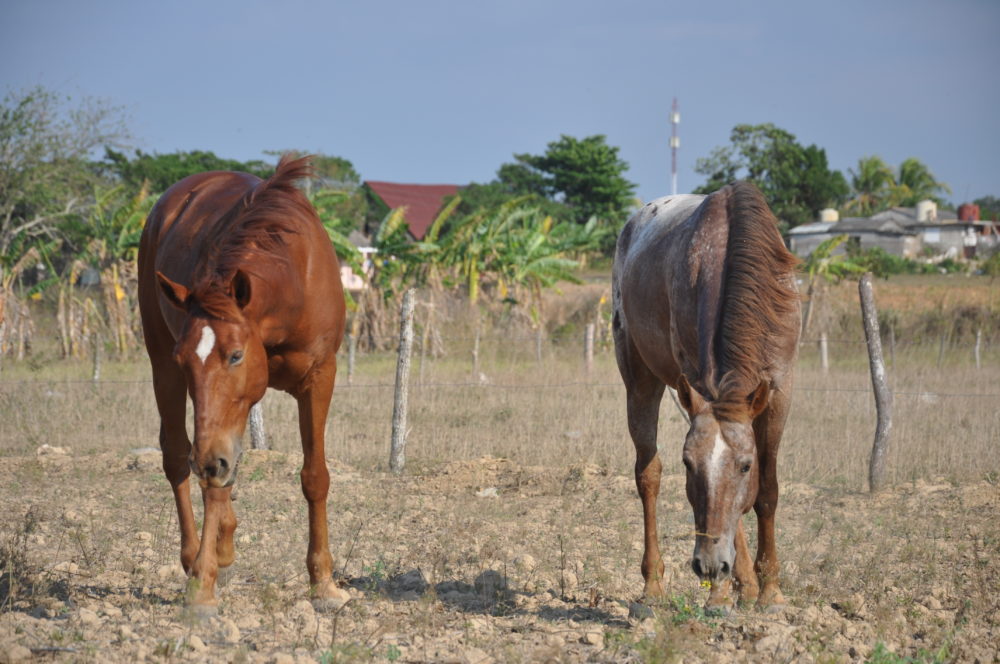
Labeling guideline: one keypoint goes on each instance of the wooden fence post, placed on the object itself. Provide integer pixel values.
(258, 441)
(475, 348)
(397, 453)
(588, 348)
(352, 351)
(880, 385)
(979, 343)
(824, 357)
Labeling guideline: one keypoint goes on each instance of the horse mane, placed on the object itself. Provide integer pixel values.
(756, 300)
(250, 234)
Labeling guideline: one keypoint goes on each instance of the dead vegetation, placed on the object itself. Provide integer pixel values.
(514, 534)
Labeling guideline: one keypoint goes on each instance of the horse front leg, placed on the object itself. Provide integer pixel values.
(768, 428)
(171, 402)
(205, 570)
(314, 403)
(643, 418)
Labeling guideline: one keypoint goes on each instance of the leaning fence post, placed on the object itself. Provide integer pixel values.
(880, 386)
(258, 441)
(397, 455)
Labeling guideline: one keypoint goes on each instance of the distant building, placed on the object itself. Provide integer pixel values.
(902, 231)
(422, 203)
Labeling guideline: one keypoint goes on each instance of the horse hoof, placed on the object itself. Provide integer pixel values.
(721, 610)
(201, 612)
(772, 608)
(330, 598)
(224, 576)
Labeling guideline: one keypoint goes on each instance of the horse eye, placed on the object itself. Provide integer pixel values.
(745, 468)
(235, 358)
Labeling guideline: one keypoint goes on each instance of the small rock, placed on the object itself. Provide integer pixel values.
(196, 643)
(88, 617)
(639, 611)
(767, 645)
(525, 562)
(67, 566)
(283, 658)
(593, 638)
(488, 492)
(14, 652)
(475, 656)
(172, 571)
(50, 450)
(143, 536)
(932, 603)
(230, 632)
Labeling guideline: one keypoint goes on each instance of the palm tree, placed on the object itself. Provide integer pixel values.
(916, 183)
(823, 267)
(873, 185)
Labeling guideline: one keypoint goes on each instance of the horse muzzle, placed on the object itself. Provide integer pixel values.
(215, 470)
(713, 560)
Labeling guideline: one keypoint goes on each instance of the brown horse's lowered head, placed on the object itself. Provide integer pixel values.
(720, 455)
(225, 366)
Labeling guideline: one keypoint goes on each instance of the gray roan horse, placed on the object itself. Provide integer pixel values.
(705, 301)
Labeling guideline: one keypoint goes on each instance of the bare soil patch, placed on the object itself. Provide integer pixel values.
(477, 561)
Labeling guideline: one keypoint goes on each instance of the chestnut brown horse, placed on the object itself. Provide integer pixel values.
(239, 290)
(705, 301)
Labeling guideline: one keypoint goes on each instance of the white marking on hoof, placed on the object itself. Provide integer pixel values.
(206, 344)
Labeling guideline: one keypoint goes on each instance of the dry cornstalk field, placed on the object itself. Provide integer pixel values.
(514, 533)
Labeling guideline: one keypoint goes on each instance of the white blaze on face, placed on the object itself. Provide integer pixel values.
(715, 461)
(206, 344)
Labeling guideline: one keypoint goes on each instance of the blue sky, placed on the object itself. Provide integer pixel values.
(444, 92)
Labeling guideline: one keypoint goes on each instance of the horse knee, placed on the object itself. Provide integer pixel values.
(315, 484)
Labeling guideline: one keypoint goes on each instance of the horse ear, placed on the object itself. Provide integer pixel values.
(757, 401)
(688, 396)
(176, 294)
(240, 289)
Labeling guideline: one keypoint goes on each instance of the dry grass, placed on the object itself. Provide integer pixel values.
(529, 575)
(551, 413)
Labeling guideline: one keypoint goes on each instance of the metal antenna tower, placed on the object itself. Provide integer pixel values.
(675, 142)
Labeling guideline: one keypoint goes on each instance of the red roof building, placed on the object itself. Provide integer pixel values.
(422, 201)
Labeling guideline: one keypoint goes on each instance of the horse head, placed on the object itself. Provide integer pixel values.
(225, 367)
(720, 456)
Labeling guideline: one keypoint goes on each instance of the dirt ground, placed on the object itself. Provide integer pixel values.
(481, 561)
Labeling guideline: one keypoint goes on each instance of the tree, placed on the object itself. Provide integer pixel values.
(915, 183)
(163, 170)
(989, 207)
(46, 147)
(585, 174)
(873, 186)
(796, 181)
